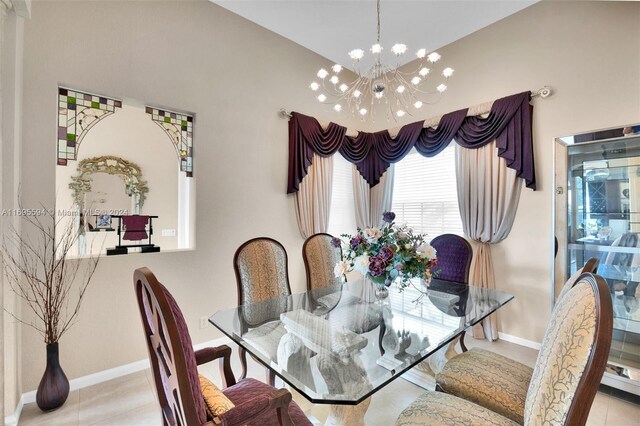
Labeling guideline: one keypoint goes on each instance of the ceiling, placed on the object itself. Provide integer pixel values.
(332, 28)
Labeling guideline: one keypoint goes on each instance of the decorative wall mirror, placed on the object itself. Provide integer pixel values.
(597, 215)
(121, 158)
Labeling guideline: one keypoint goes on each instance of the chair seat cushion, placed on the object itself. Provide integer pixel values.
(488, 379)
(437, 408)
(247, 389)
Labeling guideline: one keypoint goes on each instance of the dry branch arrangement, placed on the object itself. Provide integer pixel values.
(38, 269)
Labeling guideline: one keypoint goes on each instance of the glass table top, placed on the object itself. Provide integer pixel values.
(339, 345)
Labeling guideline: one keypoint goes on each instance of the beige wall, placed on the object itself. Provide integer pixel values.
(235, 76)
(192, 56)
(589, 52)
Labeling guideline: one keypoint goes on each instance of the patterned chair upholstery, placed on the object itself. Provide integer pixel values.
(320, 258)
(591, 266)
(488, 379)
(261, 268)
(175, 369)
(565, 378)
(492, 380)
(454, 257)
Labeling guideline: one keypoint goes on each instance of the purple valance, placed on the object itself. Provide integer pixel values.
(509, 123)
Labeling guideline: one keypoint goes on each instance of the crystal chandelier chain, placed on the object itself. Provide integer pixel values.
(382, 86)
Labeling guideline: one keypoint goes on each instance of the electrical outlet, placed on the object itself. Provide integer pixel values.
(168, 232)
(204, 321)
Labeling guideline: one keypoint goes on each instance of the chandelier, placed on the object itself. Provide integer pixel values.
(389, 87)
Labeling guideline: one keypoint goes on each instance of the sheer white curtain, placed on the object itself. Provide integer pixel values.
(370, 202)
(488, 195)
(313, 199)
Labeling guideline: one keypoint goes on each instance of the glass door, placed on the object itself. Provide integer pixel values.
(597, 214)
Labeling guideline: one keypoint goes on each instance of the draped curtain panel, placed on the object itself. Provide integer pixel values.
(371, 203)
(508, 123)
(313, 199)
(488, 195)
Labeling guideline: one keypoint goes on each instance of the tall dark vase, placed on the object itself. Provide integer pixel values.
(53, 389)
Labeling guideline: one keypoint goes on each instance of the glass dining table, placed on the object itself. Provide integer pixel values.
(340, 344)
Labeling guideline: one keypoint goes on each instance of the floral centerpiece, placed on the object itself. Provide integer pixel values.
(386, 254)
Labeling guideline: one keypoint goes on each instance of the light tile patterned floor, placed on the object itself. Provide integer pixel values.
(131, 400)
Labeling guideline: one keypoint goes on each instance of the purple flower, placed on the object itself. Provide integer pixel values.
(376, 266)
(356, 241)
(386, 253)
(336, 242)
(388, 216)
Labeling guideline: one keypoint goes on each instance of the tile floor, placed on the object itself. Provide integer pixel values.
(131, 400)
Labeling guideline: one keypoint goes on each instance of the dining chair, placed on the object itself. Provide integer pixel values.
(565, 378)
(468, 375)
(320, 257)
(454, 261)
(261, 268)
(185, 397)
(454, 257)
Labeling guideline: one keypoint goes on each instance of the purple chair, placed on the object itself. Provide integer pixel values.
(175, 370)
(454, 261)
(454, 257)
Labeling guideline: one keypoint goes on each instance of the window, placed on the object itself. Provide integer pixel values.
(425, 195)
(342, 217)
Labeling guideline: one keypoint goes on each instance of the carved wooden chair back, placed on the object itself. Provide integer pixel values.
(171, 353)
(573, 355)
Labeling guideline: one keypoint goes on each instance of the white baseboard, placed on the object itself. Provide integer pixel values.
(12, 420)
(520, 341)
(99, 377)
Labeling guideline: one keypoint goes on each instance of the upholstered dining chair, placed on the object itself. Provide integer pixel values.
(261, 267)
(454, 260)
(187, 398)
(565, 378)
(320, 258)
(454, 257)
(468, 375)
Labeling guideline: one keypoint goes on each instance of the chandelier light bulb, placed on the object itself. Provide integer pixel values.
(399, 49)
(379, 82)
(356, 54)
(433, 57)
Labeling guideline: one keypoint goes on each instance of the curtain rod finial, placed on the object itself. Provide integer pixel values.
(545, 92)
(283, 113)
